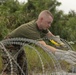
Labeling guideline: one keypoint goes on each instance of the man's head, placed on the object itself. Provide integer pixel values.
(45, 19)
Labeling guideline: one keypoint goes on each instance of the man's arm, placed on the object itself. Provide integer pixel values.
(52, 49)
(68, 56)
(55, 39)
(49, 34)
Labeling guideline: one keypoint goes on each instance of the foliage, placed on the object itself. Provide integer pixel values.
(13, 14)
(3, 28)
(71, 28)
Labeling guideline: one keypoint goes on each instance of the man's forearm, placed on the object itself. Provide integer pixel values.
(49, 34)
(51, 48)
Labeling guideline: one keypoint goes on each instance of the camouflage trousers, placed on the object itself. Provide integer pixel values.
(19, 56)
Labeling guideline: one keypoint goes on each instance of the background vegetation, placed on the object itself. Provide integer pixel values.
(13, 14)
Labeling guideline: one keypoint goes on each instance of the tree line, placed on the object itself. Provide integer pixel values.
(13, 14)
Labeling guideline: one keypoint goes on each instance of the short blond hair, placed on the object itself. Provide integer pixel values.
(45, 12)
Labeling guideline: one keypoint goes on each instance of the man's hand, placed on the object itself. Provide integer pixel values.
(68, 56)
(57, 40)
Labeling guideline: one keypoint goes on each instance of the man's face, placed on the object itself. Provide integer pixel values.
(46, 22)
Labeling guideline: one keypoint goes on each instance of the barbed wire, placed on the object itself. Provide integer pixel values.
(22, 42)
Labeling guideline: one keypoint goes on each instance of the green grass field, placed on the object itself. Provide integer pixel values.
(34, 62)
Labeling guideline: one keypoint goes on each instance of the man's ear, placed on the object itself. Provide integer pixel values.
(41, 18)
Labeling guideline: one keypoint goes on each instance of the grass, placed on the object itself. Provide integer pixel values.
(33, 59)
(34, 62)
(74, 46)
(0, 63)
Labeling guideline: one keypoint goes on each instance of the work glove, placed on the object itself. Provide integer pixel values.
(68, 56)
(56, 40)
